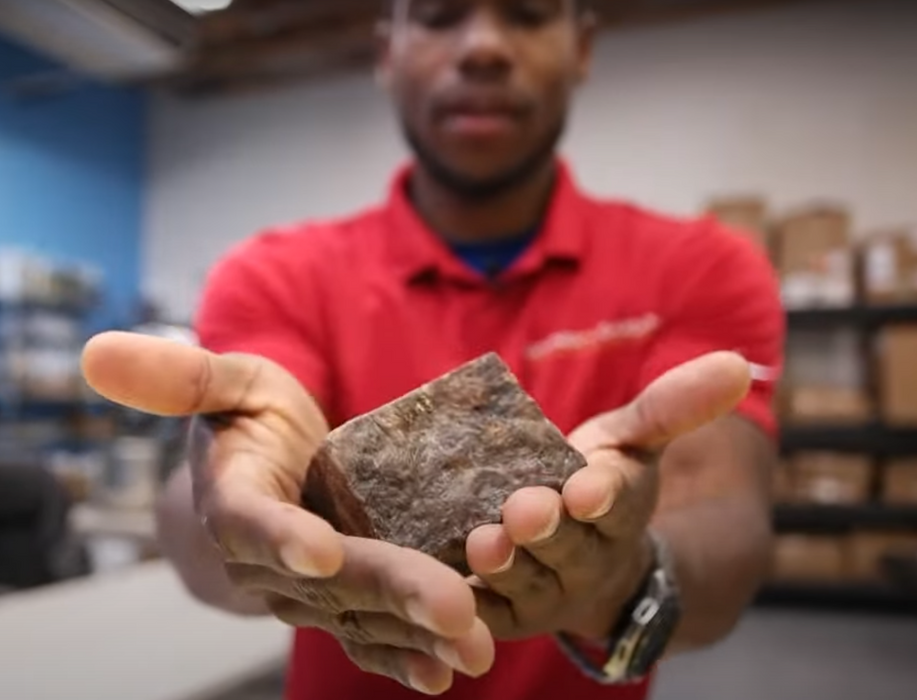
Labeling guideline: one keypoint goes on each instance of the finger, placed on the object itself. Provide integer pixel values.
(615, 493)
(410, 668)
(522, 579)
(379, 577)
(532, 515)
(489, 550)
(472, 654)
(497, 613)
(250, 525)
(163, 377)
(535, 519)
(680, 401)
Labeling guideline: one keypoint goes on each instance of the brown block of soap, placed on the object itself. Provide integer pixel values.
(426, 469)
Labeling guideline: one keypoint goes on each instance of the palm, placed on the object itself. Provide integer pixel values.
(270, 450)
(256, 458)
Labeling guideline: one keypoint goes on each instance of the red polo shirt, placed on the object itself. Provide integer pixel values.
(606, 298)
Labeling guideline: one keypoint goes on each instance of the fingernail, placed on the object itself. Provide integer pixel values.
(550, 529)
(296, 560)
(418, 684)
(448, 654)
(506, 566)
(602, 510)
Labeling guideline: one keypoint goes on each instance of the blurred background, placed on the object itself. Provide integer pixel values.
(139, 139)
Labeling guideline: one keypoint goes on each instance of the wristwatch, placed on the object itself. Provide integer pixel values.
(644, 630)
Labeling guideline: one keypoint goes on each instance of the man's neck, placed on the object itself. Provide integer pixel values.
(462, 220)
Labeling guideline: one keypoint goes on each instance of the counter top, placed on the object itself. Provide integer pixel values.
(134, 634)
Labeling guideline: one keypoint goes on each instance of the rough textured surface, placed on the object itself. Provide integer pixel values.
(426, 469)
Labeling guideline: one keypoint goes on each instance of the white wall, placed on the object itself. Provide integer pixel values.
(814, 101)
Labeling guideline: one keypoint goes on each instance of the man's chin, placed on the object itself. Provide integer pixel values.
(486, 178)
(477, 182)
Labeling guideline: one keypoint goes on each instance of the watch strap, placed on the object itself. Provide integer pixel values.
(641, 635)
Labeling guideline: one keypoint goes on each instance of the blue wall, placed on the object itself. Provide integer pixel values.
(71, 177)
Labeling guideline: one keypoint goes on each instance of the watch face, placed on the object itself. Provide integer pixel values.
(655, 638)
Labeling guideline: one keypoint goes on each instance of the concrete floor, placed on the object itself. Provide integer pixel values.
(793, 655)
(777, 655)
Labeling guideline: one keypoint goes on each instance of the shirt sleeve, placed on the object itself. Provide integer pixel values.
(262, 300)
(724, 296)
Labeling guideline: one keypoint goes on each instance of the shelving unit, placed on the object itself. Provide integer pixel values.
(859, 316)
(880, 441)
(872, 438)
(45, 408)
(853, 597)
(818, 519)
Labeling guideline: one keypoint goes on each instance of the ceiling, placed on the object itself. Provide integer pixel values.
(258, 43)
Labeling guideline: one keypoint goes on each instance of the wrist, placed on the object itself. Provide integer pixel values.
(641, 629)
(603, 615)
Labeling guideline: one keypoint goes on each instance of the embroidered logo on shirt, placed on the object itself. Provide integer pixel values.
(604, 333)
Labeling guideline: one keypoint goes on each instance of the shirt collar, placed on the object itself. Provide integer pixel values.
(417, 251)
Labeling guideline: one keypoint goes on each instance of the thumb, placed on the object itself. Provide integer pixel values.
(167, 378)
(680, 401)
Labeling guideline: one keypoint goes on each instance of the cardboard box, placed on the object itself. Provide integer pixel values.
(827, 363)
(78, 486)
(897, 375)
(816, 258)
(746, 214)
(809, 558)
(899, 483)
(865, 552)
(830, 478)
(826, 404)
(888, 267)
(782, 484)
(740, 211)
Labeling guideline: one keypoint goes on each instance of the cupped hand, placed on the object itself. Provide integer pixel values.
(396, 612)
(568, 562)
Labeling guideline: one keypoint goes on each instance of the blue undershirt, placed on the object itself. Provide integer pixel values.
(492, 257)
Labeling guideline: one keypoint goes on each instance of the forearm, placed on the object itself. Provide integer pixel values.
(185, 543)
(721, 551)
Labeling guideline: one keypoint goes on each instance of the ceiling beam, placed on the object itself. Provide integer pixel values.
(644, 13)
(308, 54)
(261, 19)
(336, 34)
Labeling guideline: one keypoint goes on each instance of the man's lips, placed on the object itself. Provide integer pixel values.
(480, 124)
(481, 118)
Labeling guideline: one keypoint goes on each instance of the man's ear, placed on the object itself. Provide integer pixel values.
(383, 36)
(587, 31)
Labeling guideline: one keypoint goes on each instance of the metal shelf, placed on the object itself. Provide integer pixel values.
(35, 408)
(81, 303)
(874, 438)
(840, 519)
(861, 316)
(846, 596)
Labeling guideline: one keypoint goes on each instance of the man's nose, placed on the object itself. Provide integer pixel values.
(485, 47)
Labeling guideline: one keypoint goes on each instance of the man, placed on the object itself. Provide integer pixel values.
(635, 333)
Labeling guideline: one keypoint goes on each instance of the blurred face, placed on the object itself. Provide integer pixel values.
(482, 87)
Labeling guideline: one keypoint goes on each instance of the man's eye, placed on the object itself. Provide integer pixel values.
(534, 13)
(438, 15)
